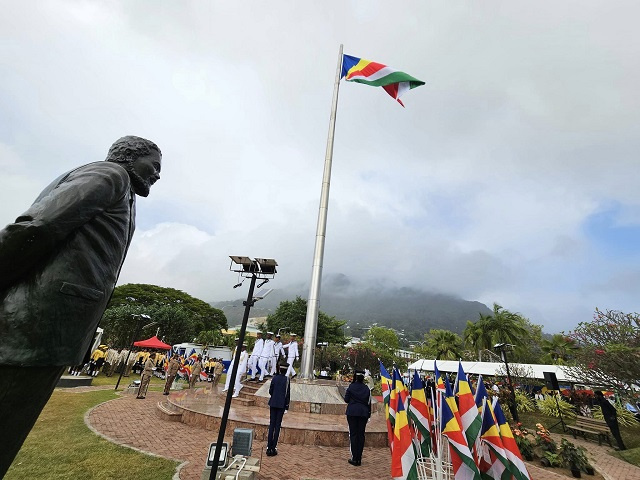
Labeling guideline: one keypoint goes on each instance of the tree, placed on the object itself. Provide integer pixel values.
(290, 316)
(502, 326)
(559, 349)
(442, 344)
(383, 339)
(609, 353)
(178, 316)
(206, 316)
(174, 323)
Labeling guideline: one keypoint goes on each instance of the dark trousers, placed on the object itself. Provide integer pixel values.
(24, 391)
(612, 422)
(274, 427)
(356, 436)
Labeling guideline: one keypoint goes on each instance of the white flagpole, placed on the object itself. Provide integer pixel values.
(313, 303)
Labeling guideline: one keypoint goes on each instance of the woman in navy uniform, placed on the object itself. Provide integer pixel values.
(358, 396)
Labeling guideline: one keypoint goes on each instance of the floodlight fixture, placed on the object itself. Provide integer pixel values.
(248, 265)
(267, 265)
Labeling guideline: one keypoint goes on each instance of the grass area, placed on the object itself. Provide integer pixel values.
(60, 446)
(630, 435)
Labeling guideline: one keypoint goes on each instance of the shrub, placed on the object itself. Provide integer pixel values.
(550, 408)
(625, 417)
(524, 403)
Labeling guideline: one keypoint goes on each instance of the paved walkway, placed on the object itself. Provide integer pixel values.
(136, 424)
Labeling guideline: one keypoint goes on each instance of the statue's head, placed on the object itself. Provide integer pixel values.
(141, 158)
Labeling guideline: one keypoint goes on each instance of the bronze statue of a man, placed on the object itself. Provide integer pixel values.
(59, 263)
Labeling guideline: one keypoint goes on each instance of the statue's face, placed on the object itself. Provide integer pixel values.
(144, 172)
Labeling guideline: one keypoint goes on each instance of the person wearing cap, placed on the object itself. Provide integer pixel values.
(196, 368)
(358, 397)
(278, 405)
(265, 355)
(147, 373)
(172, 371)
(217, 371)
(242, 369)
(255, 355)
(277, 350)
(292, 354)
(227, 381)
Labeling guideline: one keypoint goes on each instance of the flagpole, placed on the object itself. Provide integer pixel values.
(313, 303)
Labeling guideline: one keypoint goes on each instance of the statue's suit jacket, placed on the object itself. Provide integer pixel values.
(59, 263)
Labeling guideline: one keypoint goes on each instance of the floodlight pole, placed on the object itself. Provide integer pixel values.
(313, 303)
(236, 360)
(514, 405)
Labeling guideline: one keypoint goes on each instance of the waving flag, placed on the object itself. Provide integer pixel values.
(464, 466)
(419, 414)
(471, 421)
(511, 448)
(403, 456)
(395, 83)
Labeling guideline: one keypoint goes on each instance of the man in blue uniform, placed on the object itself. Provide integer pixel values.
(358, 396)
(278, 405)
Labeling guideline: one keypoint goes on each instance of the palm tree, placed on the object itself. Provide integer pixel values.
(478, 335)
(502, 326)
(446, 345)
(560, 348)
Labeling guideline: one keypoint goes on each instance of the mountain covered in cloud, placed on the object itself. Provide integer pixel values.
(401, 308)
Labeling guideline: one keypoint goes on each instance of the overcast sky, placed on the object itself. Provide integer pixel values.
(510, 177)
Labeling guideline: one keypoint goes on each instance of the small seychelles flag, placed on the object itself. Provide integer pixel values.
(395, 83)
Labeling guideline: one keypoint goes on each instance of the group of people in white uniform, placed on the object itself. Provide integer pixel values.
(264, 358)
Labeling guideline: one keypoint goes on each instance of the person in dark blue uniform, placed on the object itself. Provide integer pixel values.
(358, 396)
(278, 406)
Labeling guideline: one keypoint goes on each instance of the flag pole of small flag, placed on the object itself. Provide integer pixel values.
(394, 82)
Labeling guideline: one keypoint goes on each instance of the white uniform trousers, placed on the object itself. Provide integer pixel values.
(290, 370)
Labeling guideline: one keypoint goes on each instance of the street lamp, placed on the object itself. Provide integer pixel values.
(257, 268)
(503, 348)
(141, 318)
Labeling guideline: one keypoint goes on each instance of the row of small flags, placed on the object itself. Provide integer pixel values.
(480, 442)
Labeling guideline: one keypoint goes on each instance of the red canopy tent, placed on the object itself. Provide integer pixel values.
(152, 342)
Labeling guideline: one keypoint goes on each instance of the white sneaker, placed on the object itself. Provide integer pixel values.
(234, 395)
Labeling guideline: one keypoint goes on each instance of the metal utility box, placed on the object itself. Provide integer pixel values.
(242, 442)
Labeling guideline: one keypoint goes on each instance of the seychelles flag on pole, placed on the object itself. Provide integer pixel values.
(395, 83)
(403, 456)
(510, 446)
(469, 415)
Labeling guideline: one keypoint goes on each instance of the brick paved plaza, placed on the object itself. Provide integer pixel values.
(137, 424)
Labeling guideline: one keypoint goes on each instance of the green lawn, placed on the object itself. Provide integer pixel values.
(60, 446)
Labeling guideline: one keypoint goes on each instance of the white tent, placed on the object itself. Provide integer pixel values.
(490, 368)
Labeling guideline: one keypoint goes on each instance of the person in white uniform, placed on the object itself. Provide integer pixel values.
(292, 355)
(255, 355)
(265, 356)
(230, 369)
(242, 369)
(277, 350)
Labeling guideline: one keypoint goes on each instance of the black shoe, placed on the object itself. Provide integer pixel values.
(165, 393)
(354, 462)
